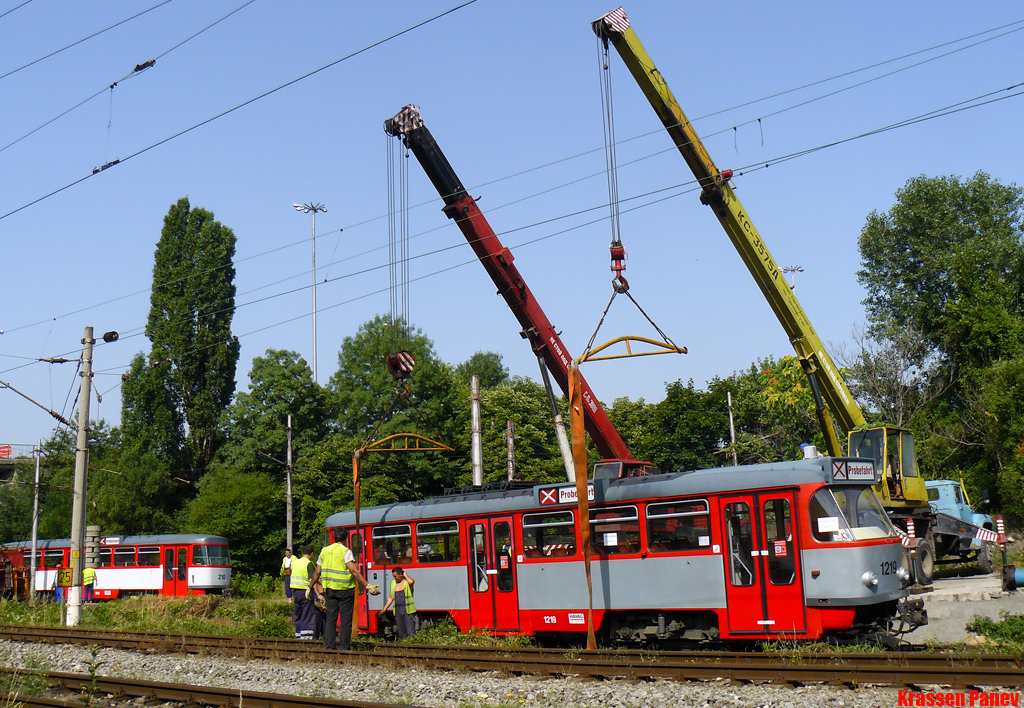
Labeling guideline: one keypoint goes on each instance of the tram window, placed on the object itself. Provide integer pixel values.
(124, 556)
(51, 559)
(549, 534)
(149, 556)
(211, 555)
(478, 557)
(741, 544)
(392, 544)
(778, 534)
(437, 541)
(848, 514)
(106, 558)
(678, 526)
(504, 552)
(615, 530)
(355, 544)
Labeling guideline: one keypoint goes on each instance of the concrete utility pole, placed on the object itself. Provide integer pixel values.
(35, 528)
(289, 471)
(81, 470)
(511, 441)
(477, 439)
(556, 418)
(732, 431)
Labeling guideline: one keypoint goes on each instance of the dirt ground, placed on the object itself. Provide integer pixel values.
(956, 599)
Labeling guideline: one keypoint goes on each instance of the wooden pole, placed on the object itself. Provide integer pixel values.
(579, 457)
(355, 492)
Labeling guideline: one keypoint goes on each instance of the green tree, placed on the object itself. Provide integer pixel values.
(525, 403)
(372, 406)
(247, 508)
(191, 375)
(486, 365)
(947, 261)
(773, 410)
(281, 384)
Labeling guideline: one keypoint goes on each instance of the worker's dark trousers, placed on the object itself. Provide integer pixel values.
(339, 606)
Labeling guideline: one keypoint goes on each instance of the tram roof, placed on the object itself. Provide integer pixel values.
(673, 484)
(159, 539)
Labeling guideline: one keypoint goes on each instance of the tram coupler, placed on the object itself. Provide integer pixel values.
(912, 613)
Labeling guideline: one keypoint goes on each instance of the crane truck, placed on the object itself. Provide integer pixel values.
(902, 489)
(497, 260)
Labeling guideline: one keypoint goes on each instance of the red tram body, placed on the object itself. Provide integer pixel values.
(175, 565)
(795, 550)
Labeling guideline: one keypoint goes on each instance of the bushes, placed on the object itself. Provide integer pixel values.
(1006, 632)
(256, 586)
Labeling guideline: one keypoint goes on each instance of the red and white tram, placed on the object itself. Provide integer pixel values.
(170, 564)
(796, 550)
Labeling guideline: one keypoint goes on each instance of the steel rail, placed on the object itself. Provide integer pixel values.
(796, 667)
(192, 695)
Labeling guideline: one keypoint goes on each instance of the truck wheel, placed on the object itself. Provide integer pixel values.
(985, 558)
(924, 564)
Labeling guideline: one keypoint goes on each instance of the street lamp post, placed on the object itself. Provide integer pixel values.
(794, 270)
(312, 208)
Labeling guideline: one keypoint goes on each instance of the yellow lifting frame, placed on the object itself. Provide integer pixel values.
(665, 347)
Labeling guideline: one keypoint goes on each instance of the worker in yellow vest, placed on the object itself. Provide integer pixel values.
(88, 583)
(336, 568)
(286, 572)
(405, 605)
(305, 612)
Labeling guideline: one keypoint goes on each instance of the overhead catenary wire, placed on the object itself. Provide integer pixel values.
(16, 7)
(139, 68)
(239, 106)
(688, 185)
(989, 97)
(571, 157)
(84, 39)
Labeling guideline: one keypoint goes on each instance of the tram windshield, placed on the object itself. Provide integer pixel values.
(848, 514)
(211, 555)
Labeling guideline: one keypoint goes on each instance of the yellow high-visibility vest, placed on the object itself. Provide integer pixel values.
(300, 573)
(88, 576)
(410, 604)
(334, 572)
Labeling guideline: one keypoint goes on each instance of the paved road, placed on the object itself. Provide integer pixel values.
(955, 601)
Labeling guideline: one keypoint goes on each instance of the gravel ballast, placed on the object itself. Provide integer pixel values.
(428, 687)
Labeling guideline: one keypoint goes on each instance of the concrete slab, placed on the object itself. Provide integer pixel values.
(953, 602)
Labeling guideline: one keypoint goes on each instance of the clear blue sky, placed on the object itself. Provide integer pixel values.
(504, 88)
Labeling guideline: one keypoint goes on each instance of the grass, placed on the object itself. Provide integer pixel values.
(204, 614)
(1006, 633)
(445, 633)
(30, 681)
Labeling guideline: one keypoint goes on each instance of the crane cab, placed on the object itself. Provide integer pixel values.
(893, 452)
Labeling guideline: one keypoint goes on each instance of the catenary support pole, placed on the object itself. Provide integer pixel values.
(81, 474)
(33, 564)
(477, 439)
(510, 439)
(288, 501)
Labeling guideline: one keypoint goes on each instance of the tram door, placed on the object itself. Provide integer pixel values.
(175, 571)
(493, 594)
(764, 590)
(355, 544)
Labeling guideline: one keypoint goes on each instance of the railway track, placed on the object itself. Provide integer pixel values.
(899, 669)
(125, 690)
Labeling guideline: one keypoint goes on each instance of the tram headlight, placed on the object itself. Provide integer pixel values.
(902, 574)
(869, 579)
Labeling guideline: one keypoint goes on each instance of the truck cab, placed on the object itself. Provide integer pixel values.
(946, 496)
(957, 523)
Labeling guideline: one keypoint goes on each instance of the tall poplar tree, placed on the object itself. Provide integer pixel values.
(190, 377)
